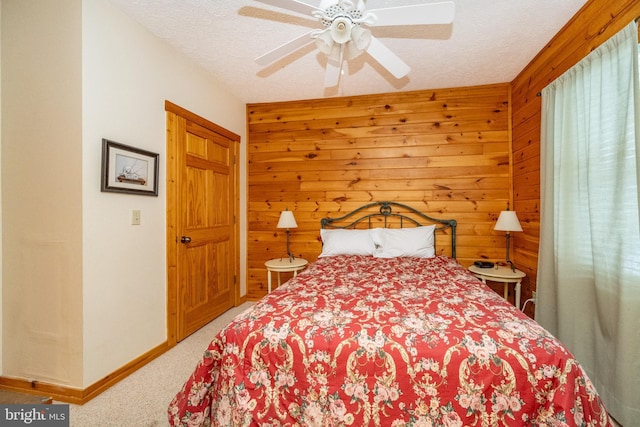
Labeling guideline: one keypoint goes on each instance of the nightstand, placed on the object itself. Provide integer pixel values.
(285, 264)
(501, 274)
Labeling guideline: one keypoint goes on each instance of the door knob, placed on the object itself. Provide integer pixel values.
(185, 239)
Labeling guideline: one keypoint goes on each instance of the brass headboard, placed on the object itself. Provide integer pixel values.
(385, 217)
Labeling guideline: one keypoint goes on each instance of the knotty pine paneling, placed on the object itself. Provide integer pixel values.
(595, 23)
(445, 152)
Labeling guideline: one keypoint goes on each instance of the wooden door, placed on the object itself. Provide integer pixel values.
(202, 232)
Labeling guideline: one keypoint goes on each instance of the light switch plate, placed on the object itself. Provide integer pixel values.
(135, 217)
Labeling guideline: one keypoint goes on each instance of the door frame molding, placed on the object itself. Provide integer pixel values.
(172, 110)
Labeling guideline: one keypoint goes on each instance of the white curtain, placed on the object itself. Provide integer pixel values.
(588, 290)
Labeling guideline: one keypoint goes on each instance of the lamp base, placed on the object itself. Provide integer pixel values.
(290, 256)
(508, 238)
(508, 245)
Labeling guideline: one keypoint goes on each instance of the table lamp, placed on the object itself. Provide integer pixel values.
(508, 221)
(287, 221)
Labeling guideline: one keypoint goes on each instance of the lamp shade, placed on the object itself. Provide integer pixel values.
(508, 221)
(287, 220)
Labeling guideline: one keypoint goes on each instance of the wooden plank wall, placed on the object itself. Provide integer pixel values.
(595, 23)
(445, 152)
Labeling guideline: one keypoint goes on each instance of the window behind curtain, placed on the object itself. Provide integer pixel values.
(588, 291)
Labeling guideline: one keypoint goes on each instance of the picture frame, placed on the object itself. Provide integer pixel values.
(127, 169)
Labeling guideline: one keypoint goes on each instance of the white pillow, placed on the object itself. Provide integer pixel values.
(418, 242)
(342, 241)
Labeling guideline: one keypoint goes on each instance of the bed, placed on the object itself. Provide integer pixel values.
(385, 329)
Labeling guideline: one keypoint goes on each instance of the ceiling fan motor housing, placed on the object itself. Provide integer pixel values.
(333, 9)
(342, 21)
(340, 16)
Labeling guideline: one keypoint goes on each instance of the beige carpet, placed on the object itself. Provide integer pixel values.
(16, 398)
(141, 399)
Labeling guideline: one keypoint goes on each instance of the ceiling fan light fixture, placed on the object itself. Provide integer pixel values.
(361, 37)
(324, 41)
(341, 30)
(351, 51)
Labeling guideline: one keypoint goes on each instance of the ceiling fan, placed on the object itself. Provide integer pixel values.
(345, 35)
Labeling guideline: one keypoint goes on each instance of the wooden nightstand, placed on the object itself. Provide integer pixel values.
(279, 265)
(501, 274)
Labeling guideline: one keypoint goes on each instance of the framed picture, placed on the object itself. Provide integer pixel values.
(128, 169)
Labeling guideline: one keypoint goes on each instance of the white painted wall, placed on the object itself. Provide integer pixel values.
(127, 75)
(42, 190)
(1, 324)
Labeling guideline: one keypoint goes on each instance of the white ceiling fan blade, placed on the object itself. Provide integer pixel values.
(387, 58)
(285, 49)
(332, 73)
(293, 5)
(419, 14)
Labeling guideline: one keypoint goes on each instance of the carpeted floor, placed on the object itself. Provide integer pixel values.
(14, 398)
(141, 399)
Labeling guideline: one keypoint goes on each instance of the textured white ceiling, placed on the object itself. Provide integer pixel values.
(489, 41)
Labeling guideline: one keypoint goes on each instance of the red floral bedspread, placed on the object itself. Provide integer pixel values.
(362, 341)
